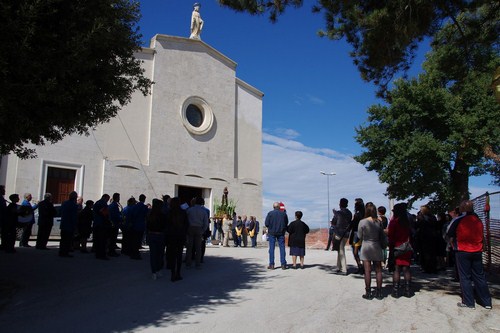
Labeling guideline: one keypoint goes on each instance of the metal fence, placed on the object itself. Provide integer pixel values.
(487, 207)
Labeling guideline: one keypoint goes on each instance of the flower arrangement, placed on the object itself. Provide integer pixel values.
(225, 206)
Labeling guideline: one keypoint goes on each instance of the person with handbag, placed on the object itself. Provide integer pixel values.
(341, 221)
(400, 248)
(371, 233)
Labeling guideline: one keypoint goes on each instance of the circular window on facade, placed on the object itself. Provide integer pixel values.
(197, 115)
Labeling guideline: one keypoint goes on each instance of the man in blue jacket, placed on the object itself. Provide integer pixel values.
(139, 214)
(115, 216)
(277, 224)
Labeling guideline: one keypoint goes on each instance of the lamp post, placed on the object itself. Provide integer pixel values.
(328, 174)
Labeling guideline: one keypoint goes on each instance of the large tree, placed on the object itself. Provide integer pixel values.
(432, 135)
(65, 67)
(385, 34)
(433, 132)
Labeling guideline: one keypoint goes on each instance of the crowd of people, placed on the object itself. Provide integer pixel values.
(454, 239)
(432, 243)
(237, 228)
(166, 226)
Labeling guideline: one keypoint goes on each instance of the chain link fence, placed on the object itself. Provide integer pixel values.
(487, 207)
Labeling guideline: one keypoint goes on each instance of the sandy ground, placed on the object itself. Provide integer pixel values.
(40, 292)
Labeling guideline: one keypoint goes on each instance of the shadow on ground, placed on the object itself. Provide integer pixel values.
(443, 281)
(83, 294)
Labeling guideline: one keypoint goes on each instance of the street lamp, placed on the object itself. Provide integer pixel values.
(328, 174)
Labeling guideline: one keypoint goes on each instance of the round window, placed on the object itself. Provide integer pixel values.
(196, 115)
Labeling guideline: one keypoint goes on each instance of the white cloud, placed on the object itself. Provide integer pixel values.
(315, 100)
(300, 100)
(287, 133)
(292, 175)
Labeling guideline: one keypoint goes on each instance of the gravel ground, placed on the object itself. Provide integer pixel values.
(41, 292)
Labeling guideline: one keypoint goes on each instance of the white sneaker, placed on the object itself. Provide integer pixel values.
(154, 277)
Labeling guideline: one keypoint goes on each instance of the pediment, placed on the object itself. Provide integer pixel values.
(190, 45)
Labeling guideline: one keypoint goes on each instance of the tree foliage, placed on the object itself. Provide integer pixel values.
(65, 67)
(434, 131)
(385, 34)
(432, 136)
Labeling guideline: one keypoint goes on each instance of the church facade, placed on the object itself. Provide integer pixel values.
(199, 131)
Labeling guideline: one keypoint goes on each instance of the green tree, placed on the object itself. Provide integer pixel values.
(66, 66)
(432, 136)
(385, 34)
(433, 132)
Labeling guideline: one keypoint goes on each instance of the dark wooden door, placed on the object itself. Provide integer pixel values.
(60, 183)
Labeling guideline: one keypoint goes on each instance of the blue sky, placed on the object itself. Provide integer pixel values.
(314, 99)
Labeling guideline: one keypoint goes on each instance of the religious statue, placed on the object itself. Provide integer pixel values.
(224, 197)
(196, 22)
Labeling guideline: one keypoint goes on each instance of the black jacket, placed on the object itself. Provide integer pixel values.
(297, 231)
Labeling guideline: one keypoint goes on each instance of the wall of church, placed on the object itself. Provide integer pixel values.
(126, 137)
(249, 129)
(184, 69)
(79, 153)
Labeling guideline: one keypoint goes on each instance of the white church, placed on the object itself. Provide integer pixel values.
(199, 131)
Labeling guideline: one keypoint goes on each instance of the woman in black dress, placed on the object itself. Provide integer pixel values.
(297, 231)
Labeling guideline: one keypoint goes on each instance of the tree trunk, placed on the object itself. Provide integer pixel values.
(459, 182)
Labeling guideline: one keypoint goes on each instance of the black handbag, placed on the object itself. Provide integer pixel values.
(336, 242)
(402, 249)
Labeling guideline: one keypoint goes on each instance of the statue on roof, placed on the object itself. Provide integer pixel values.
(196, 22)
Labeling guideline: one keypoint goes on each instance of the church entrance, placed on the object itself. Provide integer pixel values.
(60, 183)
(186, 193)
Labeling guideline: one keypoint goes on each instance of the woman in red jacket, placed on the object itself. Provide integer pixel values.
(399, 233)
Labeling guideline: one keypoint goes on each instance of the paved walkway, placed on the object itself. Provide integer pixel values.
(40, 292)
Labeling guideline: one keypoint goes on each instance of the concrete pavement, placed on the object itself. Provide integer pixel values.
(41, 292)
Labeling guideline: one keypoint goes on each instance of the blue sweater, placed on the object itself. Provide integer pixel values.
(276, 222)
(114, 214)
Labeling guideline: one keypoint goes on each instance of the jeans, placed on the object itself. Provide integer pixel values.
(470, 268)
(281, 244)
(254, 240)
(156, 243)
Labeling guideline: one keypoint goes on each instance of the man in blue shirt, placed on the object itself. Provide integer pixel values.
(30, 210)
